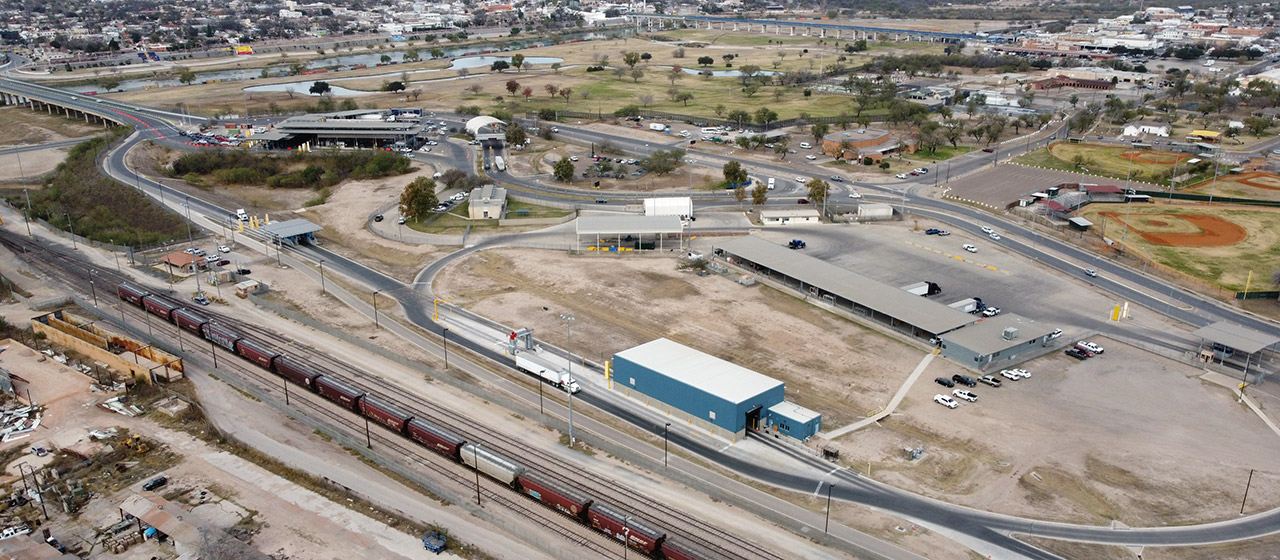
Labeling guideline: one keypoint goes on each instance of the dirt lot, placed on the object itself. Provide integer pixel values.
(24, 127)
(34, 164)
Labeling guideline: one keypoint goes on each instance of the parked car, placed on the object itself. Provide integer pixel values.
(810, 157)
(243, 271)
(223, 262)
(200, 299)
(1091, 347)
(970, 248)
(1055, 334)
(966, 395)
(1077, 353)
(1010, 374)
(1024, 373)
(990, 380)
(932, 231)
(377, 218)
(901, 175)
(990, 311)
(1082, 348)
(39, 451)
(945, 401)
(944, 233)
(945, 382)
(224, 249)
(964, 380)
(155, 483)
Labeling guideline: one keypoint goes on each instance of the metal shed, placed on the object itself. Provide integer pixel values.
(1228, 340)
(716, 393)
(790, 419)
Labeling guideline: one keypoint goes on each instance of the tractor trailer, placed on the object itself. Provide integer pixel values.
(558, 378)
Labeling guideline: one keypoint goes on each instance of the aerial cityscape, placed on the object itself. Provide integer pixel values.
(670, 280)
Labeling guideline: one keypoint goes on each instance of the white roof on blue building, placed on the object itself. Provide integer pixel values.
(700, 370)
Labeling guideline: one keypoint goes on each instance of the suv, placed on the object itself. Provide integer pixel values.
(945, 382)
(945, 401)
(1010, 375)
(964, 380)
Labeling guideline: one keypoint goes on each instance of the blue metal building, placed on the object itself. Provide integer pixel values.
(710, 390)
(790, 419)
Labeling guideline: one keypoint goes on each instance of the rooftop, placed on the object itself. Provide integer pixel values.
(1236, 336)
(700, 370)
(987, 335)
(795, 213)
(623, 224)
(794, 411)
(290, 228)
(923, 313)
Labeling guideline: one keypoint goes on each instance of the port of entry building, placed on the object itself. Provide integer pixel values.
(709, 392)
(623, 232)
(843, 289)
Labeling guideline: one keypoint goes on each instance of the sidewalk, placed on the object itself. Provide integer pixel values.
(888, 409)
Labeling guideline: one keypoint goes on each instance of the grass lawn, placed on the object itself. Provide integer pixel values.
(1104, 161)
(1226, 266)
(942, 153)
(535, 211)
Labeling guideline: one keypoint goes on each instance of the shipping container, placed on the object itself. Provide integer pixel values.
(256, 352)
(190, 321)
(496, 466)
(220, 335)
(338, 392)
(296, 372)
(635, 532)
(436, 439)
(563, 499)
(677, 549)
(161, 306)
(132, 294)
(384, 413)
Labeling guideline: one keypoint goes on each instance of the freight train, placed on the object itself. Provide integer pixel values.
(634, 531)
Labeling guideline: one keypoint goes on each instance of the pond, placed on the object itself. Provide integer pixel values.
(487, 61)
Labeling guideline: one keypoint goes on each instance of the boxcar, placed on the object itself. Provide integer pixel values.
(384, 413)
(189, 320)
(225, 337)
(676, 549)
(496, 466)
(338, 392)
(635, 532)
(256, 352)
(434, 438)
(296, 372)
(160, 306)
(132, 294)
(564, 499)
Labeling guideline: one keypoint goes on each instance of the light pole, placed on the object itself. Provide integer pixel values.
(664, 443)
(475, 460)
(93, 288)
(375, 309)
(72, 229)
(827, 526)
(322, 292)
(568, 327)
(446, 347)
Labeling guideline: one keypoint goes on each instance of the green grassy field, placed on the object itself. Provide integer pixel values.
(1104, 161)
(942, 153)
(535, 211)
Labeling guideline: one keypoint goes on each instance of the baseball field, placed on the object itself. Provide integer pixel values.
(1258, 185)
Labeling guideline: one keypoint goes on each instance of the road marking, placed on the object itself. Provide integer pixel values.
(818, 489)
(834, 470)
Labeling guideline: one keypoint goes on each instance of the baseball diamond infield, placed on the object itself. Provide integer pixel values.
(1258, 185)
(1182, 230)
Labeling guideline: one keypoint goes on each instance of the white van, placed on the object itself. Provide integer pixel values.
(770, 186)
(806, 145)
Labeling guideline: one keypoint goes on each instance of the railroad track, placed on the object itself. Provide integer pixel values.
(688, 527)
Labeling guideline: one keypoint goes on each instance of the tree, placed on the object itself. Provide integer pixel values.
(320, 88)
(386, 58)
(728, 59)
(636, 74)
(819, 130)
(684, 97)
(1258, 125)
(517, 60)
(499, 66)
(739, 116)
(740, 195)
(474, 89)
(109, 83)
(678, 52)
(818, 190)
(750, 90)
(734, 174)
(411, 55)
(646, 57)
(765, 115)
(631, 58)
(564, 170)
(186, 76)
(706, 61)
(719, 110)
(513, 86)
(555, 67)
(348, 105)
(676, 73)
(415, 92)
(418, 198)
(760, 194)
(551, 89)
(663, 162)
(289, 91)
(527, 92)
(516, 135)
(566, 93)
(780, 148)
(437, 52)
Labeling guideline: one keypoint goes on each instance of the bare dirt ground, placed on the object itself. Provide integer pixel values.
(25, 127)
(622, 302)
(34, 164)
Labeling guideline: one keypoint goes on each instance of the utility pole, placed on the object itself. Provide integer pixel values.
(568, 326)
(322, 291)
(664, 443)
(375, 310)
(827, 527)
(72, 229)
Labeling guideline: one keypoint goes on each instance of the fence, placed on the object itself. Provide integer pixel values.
(702, 120)
(1208, 198)
(1257, 295)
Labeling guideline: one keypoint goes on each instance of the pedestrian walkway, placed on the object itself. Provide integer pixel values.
(888, 409)
(1235, 384)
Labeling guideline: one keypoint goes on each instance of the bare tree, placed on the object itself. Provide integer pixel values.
(645, 100)
(289, 90)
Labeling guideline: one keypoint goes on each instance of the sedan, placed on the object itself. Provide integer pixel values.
(810, 157)
(1090, 273)
(224, 249)
(837, 178)
(945, 401)
(987, 230)
(1024, 373)
(990, 380)
(966, 395)
(801, 180)
(970, 248)
(944, 232)
(1010, 375)
(802, 201)
(945, 382)
(994, 236)
(377, 218)
(855, 194)
(573, 158)
(901, 175)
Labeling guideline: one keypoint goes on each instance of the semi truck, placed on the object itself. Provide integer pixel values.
(967, 305)
(925, 289)
(559, 378)
(499, 164)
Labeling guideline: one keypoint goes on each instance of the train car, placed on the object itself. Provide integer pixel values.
(339, 392)
(637, 533)
(436, 439)
(161, 306)
(295, 371)
(189, 320)
(132, 293)
(565, 500)
(384, 413)
(496, 466)
(223, 336)
(676, 549)
(256, 352)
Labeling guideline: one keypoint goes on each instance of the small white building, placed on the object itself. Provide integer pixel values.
(785, 217)
(487, 203)
(875, 211)
(1143, 128)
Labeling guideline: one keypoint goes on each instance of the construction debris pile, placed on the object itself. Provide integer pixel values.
(17, 422)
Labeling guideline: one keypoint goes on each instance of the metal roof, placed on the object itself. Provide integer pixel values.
(1236, 336)
(798, 213)
(270, 136)
(794, 411)
(474, 125)
(1079, 221)
(700, 370)
(290, 228)
(923, 313)
(987, 335)
(628, 224)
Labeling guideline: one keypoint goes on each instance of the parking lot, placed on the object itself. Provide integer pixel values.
(1002, 185)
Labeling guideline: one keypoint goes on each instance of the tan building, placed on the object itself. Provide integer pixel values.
(862, 143)
(184, 262)
(487, 203)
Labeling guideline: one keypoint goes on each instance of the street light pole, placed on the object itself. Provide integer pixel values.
(93, 288)
(72, 229)
(827, 526)
(568, 327)
(322, 291)
(446, 348)
(664, 443)
(375, 310)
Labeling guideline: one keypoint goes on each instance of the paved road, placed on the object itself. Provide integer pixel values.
(991, 529)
